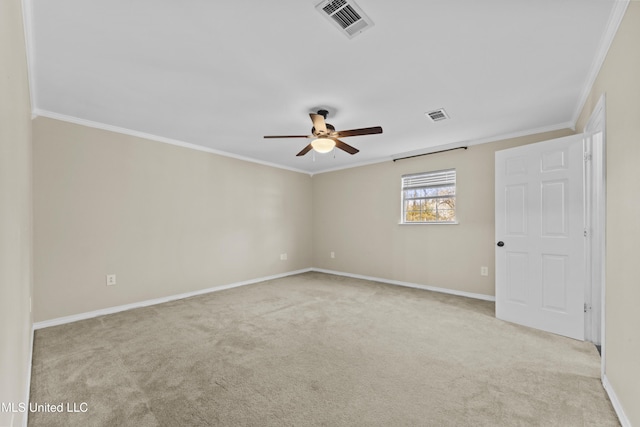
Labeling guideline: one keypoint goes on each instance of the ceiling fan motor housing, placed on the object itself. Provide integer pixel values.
(330, 129)
(323, 113)
(326, 137)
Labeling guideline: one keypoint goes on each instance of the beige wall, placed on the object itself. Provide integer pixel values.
(109, 203)
(15, 212)
(619, 80)
(357, 211)
(165, 219)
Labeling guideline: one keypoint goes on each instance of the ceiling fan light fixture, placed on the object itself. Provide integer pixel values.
(323, 145)
(326, 136)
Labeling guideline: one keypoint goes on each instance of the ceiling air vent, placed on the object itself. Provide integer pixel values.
(437, 115)
(346, 15)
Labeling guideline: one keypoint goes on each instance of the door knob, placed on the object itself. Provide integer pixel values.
(500, 243)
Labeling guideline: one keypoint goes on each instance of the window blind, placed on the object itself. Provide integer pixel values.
(429, 179)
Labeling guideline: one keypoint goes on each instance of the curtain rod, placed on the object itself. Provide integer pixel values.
(433, 152)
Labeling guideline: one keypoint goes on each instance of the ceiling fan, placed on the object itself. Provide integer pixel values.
(326, 136)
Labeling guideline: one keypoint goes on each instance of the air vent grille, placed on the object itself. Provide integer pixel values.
(346, 15)
(437, 115)
(333, 6)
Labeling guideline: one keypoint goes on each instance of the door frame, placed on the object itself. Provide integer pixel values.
(595, 225)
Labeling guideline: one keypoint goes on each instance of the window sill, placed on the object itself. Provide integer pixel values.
(429, 223)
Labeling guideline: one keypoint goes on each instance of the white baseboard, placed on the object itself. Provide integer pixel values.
(409, 285)
(624, 421)
(146, 303)
(25, 419)
(622, 417)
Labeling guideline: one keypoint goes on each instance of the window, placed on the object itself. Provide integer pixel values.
(429, 197)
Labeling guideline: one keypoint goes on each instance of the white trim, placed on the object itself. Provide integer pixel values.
(36, 112)
(409, 285)
(486, 140)
(110, 310)
(352, 165)
(624, 421)
(615, 19)
(622, 417)
(27, 22)
(430, 223)
(458, 144)
(146, 303)
(97, 125)
(612, 27)
(597, 123)
(25, 419)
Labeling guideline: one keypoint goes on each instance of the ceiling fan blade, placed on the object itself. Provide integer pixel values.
(305, 150)
(318, 123)
(289, 136)
(345, 147)
(356, 132)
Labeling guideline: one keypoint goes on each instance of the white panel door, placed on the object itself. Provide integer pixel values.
(540, 258)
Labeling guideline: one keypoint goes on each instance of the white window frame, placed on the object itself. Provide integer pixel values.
(431, 179)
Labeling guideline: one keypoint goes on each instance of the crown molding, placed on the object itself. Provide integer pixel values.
(615, 19)
(97, 125)
(27, 23)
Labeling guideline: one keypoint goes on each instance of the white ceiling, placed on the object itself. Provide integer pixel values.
(222, 74)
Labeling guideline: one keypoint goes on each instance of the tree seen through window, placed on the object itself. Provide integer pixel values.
(429, 197)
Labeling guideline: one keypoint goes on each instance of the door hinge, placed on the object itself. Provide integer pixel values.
(585, 233)
(587, 307)
(587, 156)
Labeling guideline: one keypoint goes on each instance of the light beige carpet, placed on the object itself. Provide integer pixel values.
(319, 350)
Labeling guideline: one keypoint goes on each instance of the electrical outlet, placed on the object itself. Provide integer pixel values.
(484, 271)
(283, 257)
(111, 279)
(333, 254)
